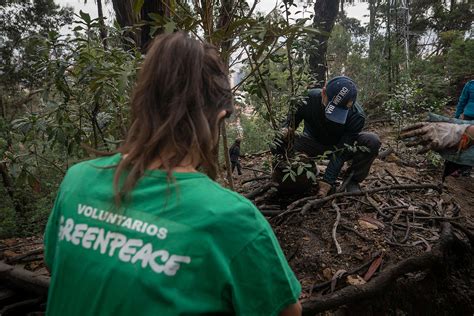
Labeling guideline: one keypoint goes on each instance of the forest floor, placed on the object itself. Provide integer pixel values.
(399, 218)
(375, 230)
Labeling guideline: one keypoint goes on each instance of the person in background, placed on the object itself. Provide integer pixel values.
(464, 111)
(465, 106)
(141, 232)
(334, 119)
(234, 153)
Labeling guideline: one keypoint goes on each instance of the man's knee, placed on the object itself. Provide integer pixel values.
(371, 141)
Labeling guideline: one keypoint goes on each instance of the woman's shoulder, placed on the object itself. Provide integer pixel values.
(231, 198)
(84, 169)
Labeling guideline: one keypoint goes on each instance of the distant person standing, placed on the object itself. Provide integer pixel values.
(465, 107)
(234, 153)
(464, 111)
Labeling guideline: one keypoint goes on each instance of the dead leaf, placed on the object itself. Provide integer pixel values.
(372, 220)
(355, 280)
(327, 273)
(366, 225)
(373, 267)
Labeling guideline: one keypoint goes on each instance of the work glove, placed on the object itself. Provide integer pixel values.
(324, 189)
(434, 136)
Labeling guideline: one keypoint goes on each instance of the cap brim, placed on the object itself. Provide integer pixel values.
(337, 115)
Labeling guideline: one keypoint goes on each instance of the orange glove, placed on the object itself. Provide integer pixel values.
(467, 139)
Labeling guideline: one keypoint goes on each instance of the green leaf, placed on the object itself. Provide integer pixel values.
(285, 177)
(137, 5)
(292, 176)
(300, 170)
(169, 27)
(85, 16)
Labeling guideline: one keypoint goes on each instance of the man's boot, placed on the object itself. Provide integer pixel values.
(353, 187)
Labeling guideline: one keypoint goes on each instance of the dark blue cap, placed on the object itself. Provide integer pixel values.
(340, 90)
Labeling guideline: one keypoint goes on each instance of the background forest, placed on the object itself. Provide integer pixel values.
(65, 91)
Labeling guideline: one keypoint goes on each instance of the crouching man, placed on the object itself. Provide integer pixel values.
(333, 119)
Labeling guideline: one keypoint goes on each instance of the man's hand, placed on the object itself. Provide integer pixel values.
(434, 136)
(286, 132)
(324, 189)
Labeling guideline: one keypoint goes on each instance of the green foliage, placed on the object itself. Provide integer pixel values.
(409, 103)
(70, 92)
(297, 166)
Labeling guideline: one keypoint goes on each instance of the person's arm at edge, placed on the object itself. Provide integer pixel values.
(462, 101)
(292, 310)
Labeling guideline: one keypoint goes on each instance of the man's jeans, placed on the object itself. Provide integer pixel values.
(361, 160)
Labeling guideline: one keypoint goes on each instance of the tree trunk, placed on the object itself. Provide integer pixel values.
(158, 7)
(103, 31)
(325, 13)
(127, 18)
(389, 43)
(373, 12)
(225, 19)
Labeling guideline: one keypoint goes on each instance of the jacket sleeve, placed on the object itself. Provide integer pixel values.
(336, 160)
(463, 100)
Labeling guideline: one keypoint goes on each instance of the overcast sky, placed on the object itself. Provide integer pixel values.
(358, 11)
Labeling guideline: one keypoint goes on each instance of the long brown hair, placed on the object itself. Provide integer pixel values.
(181, 87)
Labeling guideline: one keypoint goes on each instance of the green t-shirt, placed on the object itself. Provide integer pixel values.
(188, 247)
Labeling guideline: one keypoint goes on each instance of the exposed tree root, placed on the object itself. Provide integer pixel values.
(356, 293)
(260, 190)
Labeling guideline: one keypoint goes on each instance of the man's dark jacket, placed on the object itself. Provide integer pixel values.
(328, 133)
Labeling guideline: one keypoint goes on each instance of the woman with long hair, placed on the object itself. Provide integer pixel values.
(142, 232)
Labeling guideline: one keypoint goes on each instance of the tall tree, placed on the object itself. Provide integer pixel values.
(373, 5)
(103, 31)
(325, 13)
(129, 14)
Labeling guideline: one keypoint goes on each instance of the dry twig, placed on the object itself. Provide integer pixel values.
(334, 228)
(405, 187)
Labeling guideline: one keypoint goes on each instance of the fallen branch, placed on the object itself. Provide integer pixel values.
(392, 176)
(355, 293)
(260, 190)
(406, 187)
(334, 228)
(24, 255)
(24, 279)
(256, 179)
(256, 170)
(355, 232)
